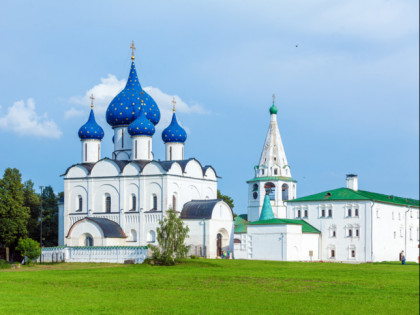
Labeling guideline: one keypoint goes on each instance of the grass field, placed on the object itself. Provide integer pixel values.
(202, 286)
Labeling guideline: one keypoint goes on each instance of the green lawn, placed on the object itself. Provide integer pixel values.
(212, 286)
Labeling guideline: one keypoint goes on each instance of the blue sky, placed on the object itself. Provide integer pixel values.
(348, 94)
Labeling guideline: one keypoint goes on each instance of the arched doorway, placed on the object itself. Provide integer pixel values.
(219, 245)
(88, 240)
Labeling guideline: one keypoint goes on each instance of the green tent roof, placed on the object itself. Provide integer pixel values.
(306, 227)
(266, 211)
(240, 224)
(349, 194)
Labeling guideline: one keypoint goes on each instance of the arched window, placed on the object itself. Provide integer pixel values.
(331, 251)
(255, 187)
(275, 171)
(333, 230)
(133, 202)
(154, 202)
(88, 240)
(80, 201)
(285, 192)
(151, 236)
(107, 203)
(270, 190)
(174, 202)
(133, 236)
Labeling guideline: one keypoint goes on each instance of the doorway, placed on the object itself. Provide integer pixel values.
(219, 245)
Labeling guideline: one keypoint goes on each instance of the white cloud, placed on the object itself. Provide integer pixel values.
(23, 120)
(73, 112)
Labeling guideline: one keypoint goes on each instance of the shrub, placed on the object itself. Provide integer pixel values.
(29, 248)
(4, 264)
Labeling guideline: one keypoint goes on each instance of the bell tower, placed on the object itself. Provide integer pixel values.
(273, 177)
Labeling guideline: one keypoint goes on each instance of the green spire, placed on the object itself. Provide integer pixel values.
(273, 108)
(266, 211)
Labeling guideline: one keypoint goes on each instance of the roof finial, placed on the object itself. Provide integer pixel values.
(133, 48)
(91, 101)
(274, 98)
(173, 102)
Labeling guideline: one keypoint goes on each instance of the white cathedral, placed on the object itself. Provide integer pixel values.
(119, 201)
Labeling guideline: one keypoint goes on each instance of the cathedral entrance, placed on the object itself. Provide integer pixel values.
(219, 245)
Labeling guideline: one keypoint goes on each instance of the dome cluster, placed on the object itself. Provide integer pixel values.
(91, 130)
(126, 106)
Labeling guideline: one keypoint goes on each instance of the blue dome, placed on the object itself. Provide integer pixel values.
(141, 126)
(125, 107)
(174, 132)
(91, 130)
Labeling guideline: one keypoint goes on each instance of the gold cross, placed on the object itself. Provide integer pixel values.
(133, 48)
(173, 102)
(274, 97)
(91, 102)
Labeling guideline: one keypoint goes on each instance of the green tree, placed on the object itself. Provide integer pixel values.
(14, 215)
(31, 200)
(29, 248)
(49, 217)
(225, 198)
(171, 235)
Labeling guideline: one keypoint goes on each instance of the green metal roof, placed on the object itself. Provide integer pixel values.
(271, 178)
(266, 211)
(349, 194)
(306, 227)
(240, 224)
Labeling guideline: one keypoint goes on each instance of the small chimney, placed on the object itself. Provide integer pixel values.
(352, 182)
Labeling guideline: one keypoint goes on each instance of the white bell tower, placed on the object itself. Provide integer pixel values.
(272, 175)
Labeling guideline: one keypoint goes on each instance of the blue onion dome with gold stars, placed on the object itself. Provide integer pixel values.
(125, 107)
(174, 132)
(91, 130)
(141, 126)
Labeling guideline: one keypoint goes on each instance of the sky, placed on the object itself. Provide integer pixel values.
(345, 75)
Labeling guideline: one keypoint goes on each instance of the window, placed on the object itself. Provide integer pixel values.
(107, 203)
(270, 190)
(88, 240)
(285, 192)
(85, 151)
(133, 202)
(298, 213)
(334, 233)
(151, 237)
(306, 214)
(411, 233)
(135, 149)
(174, 202)
(275, 171)
(348, 212)
(356, 232)
(80, 200)
(322, 213)
(353, 253)
(170, 153)
(154, 202)
(262, 172)
(330, 213)
(122, 138)
(255, 187)
(332, 253)
(356, 212)
(395, 235)
(333, 229)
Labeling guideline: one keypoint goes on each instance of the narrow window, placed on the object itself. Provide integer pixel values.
(333, 233)
(80, 204)
(306, 213)
(350, 233)
(357, 232)
(395, 235)
(174, 202)
(322, 213)
(353, 253)
(135, 149)
(154, 202)
(134, 202)
(356, 212)
(182, 152)
(275, 171)
(85, 152)
(122, 138)
(170, 153)
(108, 204)
(262, 172)
(330, 213)
(349, 212)
(332, 253)
(148, 147)
(298, 215)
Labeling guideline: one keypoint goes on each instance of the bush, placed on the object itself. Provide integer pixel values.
(4, 264)
(29, 248)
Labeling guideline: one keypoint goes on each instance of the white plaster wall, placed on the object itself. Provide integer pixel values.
(91, 150)
(177, 151)
(105, 168)
(142, 148)
(122, 143)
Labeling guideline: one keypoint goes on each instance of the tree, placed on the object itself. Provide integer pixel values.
(171, 236)
(31, 200)
(29, 248)
(226, 199)
(49, 217)
(14, 215)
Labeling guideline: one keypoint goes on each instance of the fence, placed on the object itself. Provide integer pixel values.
(110, 254)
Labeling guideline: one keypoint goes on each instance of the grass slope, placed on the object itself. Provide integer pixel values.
(212, 286)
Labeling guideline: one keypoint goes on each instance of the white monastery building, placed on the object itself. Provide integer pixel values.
(119, 201)
(344, 224)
